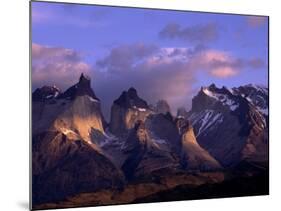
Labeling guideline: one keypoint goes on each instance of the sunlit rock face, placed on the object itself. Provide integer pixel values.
(193, 156)
(77, 109)
(229, 126)
(126, 111)
(82, 114)
(65, 157)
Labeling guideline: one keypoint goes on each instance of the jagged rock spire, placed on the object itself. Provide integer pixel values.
(83, 87)
(130, 99)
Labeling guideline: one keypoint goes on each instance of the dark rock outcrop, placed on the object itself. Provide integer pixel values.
(126, 111)
(83, 87)
(64, 165)
(224, 121)
(146, 156)
(163, 107)
(45, 93)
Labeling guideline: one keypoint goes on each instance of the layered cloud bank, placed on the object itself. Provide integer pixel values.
(156, 72)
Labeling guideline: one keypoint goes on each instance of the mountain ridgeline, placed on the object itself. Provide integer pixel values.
(74, 150)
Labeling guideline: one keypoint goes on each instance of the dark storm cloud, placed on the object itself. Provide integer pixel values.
(198, 33)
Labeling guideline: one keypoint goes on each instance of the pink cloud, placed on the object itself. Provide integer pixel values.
(210, 56)
(165, 73)
(256, 21)
(53, 65)
(223, 72)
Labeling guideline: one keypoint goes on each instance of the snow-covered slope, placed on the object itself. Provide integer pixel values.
(224, 119)
(256, 94)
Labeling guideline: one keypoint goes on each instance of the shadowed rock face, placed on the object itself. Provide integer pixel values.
(145, 156)
(83, 87)
(164, 127)
(45, 93)
(224, 122)
(257, 95)
(163, 107)
(130, 99)
(66, 165)
(126, 111)
(181, 112)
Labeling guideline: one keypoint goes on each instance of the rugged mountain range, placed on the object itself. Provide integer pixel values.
(65, 158)
(231, 124)
(74, 150)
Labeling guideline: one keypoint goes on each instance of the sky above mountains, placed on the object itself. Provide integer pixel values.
(163, 54)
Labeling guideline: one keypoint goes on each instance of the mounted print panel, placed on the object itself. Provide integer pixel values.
(135, 105)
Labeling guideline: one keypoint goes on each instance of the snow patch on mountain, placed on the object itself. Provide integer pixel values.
(223, 98)
(205, 119)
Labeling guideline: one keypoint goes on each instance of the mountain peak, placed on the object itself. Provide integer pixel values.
(212, 86)
(83, 87)
(45, 93)
(84, 78)
(132, 92)
(162, 106)
(130, 99)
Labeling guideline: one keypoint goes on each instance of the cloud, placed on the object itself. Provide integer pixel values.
(163, 73)
(256, 21)
(198, 33)
(223, 72)
(256, 63)
(219, 64)
(222, 64)
(156, 72)
(123, 57)
(40, 52)
(54, 65)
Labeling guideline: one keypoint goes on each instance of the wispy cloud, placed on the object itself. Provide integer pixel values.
(222, 64)
(54, 65)
(165, 73)
(156, 72)
(197, 33)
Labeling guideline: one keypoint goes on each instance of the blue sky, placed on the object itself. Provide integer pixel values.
(164, 54)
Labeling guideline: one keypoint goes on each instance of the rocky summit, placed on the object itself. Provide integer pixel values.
(144, 152)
